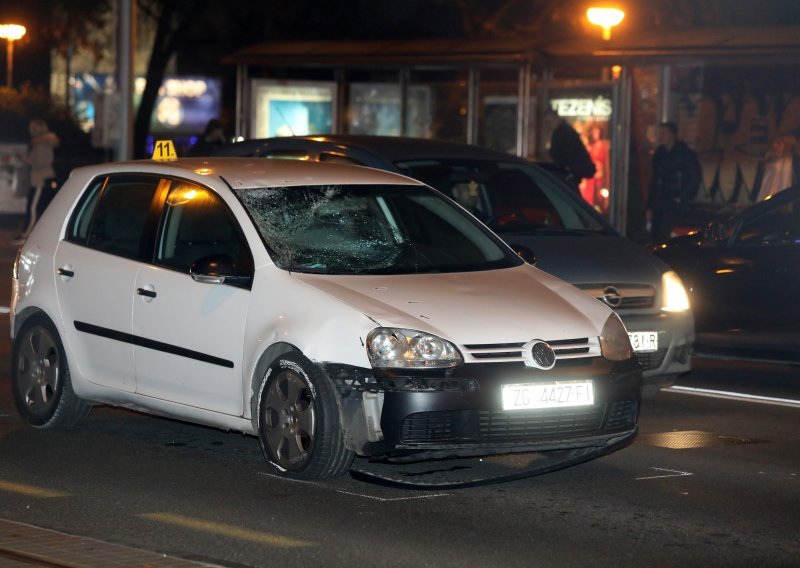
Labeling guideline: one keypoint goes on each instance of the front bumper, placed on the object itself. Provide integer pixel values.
(459, 413)
(675, 339)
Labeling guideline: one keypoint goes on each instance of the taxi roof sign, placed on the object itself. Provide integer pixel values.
(164, 151)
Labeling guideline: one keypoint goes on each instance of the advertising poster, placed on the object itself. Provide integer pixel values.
(292, 108)
(589, 112)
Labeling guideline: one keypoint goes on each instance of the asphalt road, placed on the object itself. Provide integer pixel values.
(710, 481)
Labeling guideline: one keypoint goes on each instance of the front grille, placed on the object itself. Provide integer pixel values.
(622, 414)
(498, 425)
(513, 426)
(622, 296)
(651, 360)
(582, 347)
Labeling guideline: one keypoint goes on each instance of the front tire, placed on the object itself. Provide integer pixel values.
(299, 428)
(40, 378)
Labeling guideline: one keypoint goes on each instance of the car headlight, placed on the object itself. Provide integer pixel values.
(675, 298)
(614, 341)
(390, 347)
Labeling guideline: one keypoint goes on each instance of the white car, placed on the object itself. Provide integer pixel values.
(330, 310)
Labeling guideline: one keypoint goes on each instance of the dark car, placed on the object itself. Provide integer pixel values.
(541, 217)
(743, 277)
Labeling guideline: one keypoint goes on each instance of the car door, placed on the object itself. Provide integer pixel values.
(756, 277)
(192, 333)
(97, 263)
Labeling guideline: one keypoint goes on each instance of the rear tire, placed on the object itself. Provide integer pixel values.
(40, 378)
(299, 427)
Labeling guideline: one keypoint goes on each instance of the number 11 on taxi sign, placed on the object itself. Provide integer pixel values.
(164, 151)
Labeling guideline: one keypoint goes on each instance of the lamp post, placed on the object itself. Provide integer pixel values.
(11, 32)
(606, 18)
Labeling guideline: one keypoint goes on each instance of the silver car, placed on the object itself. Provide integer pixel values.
(542, 218)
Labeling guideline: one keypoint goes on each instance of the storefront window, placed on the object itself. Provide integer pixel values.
(497, 113)
(375, 108)
(447, 116)
(588, 110)
(292, 108)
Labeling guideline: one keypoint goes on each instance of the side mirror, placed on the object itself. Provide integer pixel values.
(524, 253)
(217, 269)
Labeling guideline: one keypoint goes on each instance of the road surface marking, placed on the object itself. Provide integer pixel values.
(227, 530)
(365, 496)
(5, 310)
(734, 396)
(30, 490)
(672, 473)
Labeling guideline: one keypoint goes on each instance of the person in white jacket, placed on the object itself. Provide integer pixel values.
(40, 159)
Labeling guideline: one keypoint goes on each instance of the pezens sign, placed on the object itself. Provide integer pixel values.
(582, 107)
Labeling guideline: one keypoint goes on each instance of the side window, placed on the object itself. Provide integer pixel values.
(335, 158)
(112, 215)
(779, 225)
(287, 155)
(197, 225)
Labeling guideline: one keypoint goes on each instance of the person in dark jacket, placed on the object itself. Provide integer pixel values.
(677, 177)
(213, 137)
(567, 150)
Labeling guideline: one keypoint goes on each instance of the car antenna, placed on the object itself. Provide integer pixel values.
(286, 122)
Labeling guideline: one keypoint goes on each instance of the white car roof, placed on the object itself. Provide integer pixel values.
(254, 172)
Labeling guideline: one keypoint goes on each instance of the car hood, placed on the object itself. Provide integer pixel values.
(593, 259)
(495, 306)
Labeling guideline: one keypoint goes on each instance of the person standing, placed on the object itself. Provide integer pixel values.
(213, 137)
(40, 158)
(567, 150)
(676, 180)
(781, 166)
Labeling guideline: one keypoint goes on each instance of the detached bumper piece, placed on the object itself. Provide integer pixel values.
(474, 471)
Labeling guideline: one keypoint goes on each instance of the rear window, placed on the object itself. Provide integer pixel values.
(509, 197)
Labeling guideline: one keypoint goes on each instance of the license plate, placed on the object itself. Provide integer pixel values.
(643, 341)
(550, 395)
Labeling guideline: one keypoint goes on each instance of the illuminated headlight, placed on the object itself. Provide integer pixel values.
(675, 298)
(614, 341)
(406, 348)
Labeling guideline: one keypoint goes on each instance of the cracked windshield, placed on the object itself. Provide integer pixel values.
(364, 229)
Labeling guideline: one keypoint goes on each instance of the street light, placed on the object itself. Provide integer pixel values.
(606, 18)
(11, 32)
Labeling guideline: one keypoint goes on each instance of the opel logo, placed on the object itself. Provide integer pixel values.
(539, 354)
(611, 296)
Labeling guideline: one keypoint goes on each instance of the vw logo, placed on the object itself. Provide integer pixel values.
(539, 354)
(611, 296)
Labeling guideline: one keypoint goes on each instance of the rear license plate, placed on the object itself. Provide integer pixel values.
(550, 395)
(643, 341)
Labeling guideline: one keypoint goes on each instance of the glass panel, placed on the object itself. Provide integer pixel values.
(371, 230)
(334, 158)
(497, 115)
(778, 225)
(509, 197)
(292, 108)
(375, 108)
(446, 92)
(197, 225)
(287, 155)
(121, 214)
(588, 111)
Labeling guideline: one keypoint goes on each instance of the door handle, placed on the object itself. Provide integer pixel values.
(66, 272)
(146, 293)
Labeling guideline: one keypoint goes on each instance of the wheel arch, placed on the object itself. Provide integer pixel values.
(265, 361)
(26, 314)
